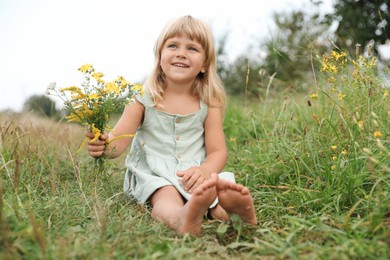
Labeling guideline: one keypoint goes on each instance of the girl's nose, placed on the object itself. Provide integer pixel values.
(181, 53)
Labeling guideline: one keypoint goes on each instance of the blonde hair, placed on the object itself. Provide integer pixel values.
(207, 86)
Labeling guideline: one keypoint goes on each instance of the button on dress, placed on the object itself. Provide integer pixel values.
(163, 145)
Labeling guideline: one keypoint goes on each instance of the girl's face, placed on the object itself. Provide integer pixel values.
(182, 59)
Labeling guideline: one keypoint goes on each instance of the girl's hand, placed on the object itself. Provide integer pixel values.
(96, 148)
(192, 178)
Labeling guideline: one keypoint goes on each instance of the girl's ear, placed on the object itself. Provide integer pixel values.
(203, 70)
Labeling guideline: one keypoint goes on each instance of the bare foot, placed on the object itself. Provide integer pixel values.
(236, 199)
(192, 214)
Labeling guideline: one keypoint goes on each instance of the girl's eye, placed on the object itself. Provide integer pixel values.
(172, 46)
(193, 49)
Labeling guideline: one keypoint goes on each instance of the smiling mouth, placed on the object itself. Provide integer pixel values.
(180, 65)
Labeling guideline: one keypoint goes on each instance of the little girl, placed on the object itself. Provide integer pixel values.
(179, 143)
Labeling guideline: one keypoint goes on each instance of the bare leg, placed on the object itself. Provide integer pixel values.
(219, 213)
(236, 199)
(167, 203)
(184, 218)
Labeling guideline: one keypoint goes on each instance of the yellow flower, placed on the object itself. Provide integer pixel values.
(71, 89)
(74, 118)
(370, 63)
(332, 79)
(122, 83)
(334, 158)
(344, 152)
(386, 93)
(361, 123)
(96, 132)
(98, 76)
(111, 87)
(137, 87)
(233, 139)
(333, 167)
(341, 96)
(86, 68)
(332, 69)
(333, 147)
(79, 96)
(314, 96)
(377, 134)
(93, 96)
(337, 55)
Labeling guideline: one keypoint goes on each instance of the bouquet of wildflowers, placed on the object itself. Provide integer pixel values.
(93, 103)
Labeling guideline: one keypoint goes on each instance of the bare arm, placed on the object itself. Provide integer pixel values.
(216, 151)
(118, 139)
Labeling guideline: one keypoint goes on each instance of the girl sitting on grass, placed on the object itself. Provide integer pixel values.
(179, 143)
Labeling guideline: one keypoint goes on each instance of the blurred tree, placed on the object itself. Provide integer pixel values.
(239, 77)
(222, 58)
(41, 105)
(289, 51)
(243, 77)
(360, 21)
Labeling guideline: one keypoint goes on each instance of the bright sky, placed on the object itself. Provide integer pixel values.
(42, 41)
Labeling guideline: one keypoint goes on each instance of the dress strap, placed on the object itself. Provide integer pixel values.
(204, 108)
(145, 99)
(203, 105)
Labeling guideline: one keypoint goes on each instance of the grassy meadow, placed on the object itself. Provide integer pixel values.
(317, 165)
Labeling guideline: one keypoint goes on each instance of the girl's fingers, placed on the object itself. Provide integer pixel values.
(191, 178)
(95, 150)
(95, 154)
(103, 136)
(95, 147)
(193, 182)
(89, 134)
(185, 176)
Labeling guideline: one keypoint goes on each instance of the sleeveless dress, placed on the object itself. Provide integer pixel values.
(163, 145)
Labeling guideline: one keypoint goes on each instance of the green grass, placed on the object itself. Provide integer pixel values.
(320, 183)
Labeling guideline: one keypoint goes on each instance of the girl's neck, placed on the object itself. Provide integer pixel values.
(179, 100)
(180, 89)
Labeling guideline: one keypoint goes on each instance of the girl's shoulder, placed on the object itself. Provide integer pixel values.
(215, 103)
(145, 99)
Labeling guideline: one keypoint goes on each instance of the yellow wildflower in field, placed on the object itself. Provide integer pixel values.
(338, 55)
(344, 152)
(331, 62)
(314, 96)
(377, 134)
(332, 80)
(360, 123)
(341, 96)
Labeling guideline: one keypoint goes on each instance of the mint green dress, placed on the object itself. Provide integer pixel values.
(163, 145)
